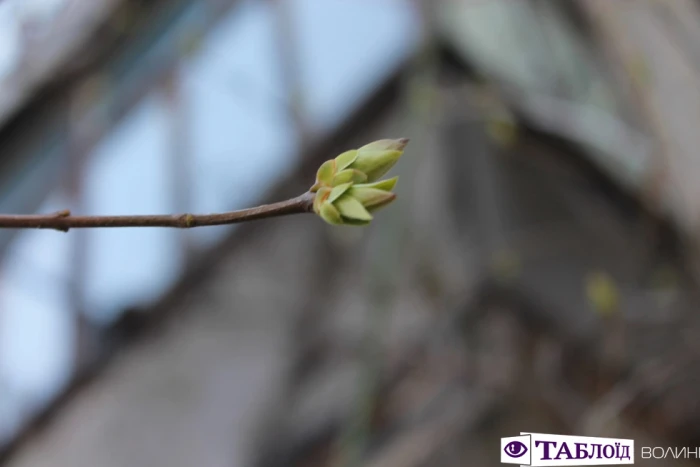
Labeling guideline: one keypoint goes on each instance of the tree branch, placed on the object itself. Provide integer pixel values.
(64, 221)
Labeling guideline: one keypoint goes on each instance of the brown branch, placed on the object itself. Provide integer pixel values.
(64, 221)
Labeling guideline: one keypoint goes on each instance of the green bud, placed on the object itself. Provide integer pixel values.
(349, 175)
(337, 191)
(347, 187)
(372, 197)
(385, 185)
(386, 144)
(346, 158)
(351, 204)
(351, 208)
(374, 159)
(330, 214)
(324, 175)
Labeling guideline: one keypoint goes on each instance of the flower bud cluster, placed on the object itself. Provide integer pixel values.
(348, 188)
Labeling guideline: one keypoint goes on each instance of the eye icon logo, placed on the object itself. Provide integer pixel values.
(515, 449)
(549, 450)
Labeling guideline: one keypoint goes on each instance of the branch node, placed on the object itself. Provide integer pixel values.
(62, 215)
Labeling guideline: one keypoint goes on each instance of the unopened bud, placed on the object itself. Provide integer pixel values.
(375, 159)
(372, 197)
(347, 187)
(352, 204)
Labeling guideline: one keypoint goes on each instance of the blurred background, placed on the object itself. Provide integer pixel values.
(538, 272)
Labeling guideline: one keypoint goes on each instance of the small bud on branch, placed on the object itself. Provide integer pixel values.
(343, 194)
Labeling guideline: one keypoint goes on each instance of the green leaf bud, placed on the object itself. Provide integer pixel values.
(377, 158)
(347, 188)
(371, 198)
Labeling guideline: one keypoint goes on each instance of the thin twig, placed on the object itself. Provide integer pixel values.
(64, 221)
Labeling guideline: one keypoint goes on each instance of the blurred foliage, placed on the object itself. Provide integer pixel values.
(602, 293)
(506, 265)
